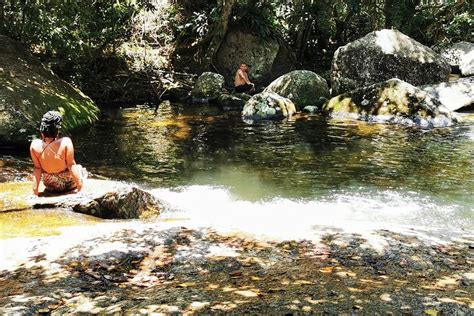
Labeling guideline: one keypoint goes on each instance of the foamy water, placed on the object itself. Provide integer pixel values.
(291, 218)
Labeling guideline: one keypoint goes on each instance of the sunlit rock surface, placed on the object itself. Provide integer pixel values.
(455, 95)
(302, 87)
(268, 105)
(382, 55)
(460, 55)
(28, 90)
(100, 198)
(392, 101)
(208, 87)
(466, 65)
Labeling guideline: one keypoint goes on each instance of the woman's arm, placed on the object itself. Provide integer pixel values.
(37, 171)
(73, 168)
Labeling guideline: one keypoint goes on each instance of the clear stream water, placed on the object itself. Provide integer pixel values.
(200, 159)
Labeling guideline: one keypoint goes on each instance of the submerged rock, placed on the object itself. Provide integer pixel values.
(268, 105)
(460, 55)
(28, 90)
(454, 95)
(233, 102)
(100, 198)
(382, 55)
(392, 101)
(208, 87)
(303, 87)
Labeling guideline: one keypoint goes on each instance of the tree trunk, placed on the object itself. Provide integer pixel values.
(2, 16)
(389, 10)
(220, 30)
(251, 4)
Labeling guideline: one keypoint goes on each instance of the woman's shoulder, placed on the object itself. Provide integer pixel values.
(36, 143)
(64, 140)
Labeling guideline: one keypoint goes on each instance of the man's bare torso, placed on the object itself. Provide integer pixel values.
(241, 78)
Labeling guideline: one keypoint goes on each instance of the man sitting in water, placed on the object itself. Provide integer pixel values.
(242, 82)
(53, 158)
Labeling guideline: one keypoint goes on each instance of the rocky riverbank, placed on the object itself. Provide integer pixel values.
(171, 266)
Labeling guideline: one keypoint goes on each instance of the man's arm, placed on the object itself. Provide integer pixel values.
(244, 76)
(37, 171)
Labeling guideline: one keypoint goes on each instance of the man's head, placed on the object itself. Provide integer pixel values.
(50, 124)
(244, 67)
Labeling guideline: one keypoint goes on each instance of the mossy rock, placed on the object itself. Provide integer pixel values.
(28, 90)
(392, 101)
(268, 105)
(303, 87)
(209, 86)
(382, 55)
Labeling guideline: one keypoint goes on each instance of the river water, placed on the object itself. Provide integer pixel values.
(210, 163)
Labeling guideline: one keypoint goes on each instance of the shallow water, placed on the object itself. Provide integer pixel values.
(203, 160)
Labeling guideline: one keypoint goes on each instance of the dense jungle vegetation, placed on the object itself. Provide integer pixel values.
(86, 41)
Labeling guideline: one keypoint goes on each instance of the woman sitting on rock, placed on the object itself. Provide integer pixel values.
(53, 158)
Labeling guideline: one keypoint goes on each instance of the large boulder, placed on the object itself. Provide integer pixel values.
(382, 55)
(268, 105)
(239, 47)
(460, 55)
(391, 101)
(454, 95)
(208, 87)
(100, 198)
(466, 65)
(303, 87)
(28, 90)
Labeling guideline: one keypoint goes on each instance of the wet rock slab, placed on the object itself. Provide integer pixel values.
(100, 198)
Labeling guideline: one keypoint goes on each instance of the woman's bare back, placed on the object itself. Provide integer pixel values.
(52, 156)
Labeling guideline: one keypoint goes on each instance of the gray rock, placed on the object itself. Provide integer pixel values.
(240, 47)
(28, 90)
(382, 55)
(268, 105)
(311, 109)
(303, 87)
(454, 95)
(460, 53)
(208, 87)
(392, 101)
(105, 199)
(466, 64)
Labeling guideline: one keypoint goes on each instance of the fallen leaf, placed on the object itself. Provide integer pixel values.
(186, 284)
(303, 282)
(326, 269)
(247, 293)
(432, 312)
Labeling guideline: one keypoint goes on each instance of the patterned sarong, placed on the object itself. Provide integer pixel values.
(58, 182)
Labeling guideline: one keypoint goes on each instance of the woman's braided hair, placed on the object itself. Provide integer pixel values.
(50, 124)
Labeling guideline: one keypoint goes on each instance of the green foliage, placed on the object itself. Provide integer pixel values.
(258, 19)
(76, 31)
(460, 27)
(188, 26)
(440, 24)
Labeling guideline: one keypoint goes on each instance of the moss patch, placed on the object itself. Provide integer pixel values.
(28, 90)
